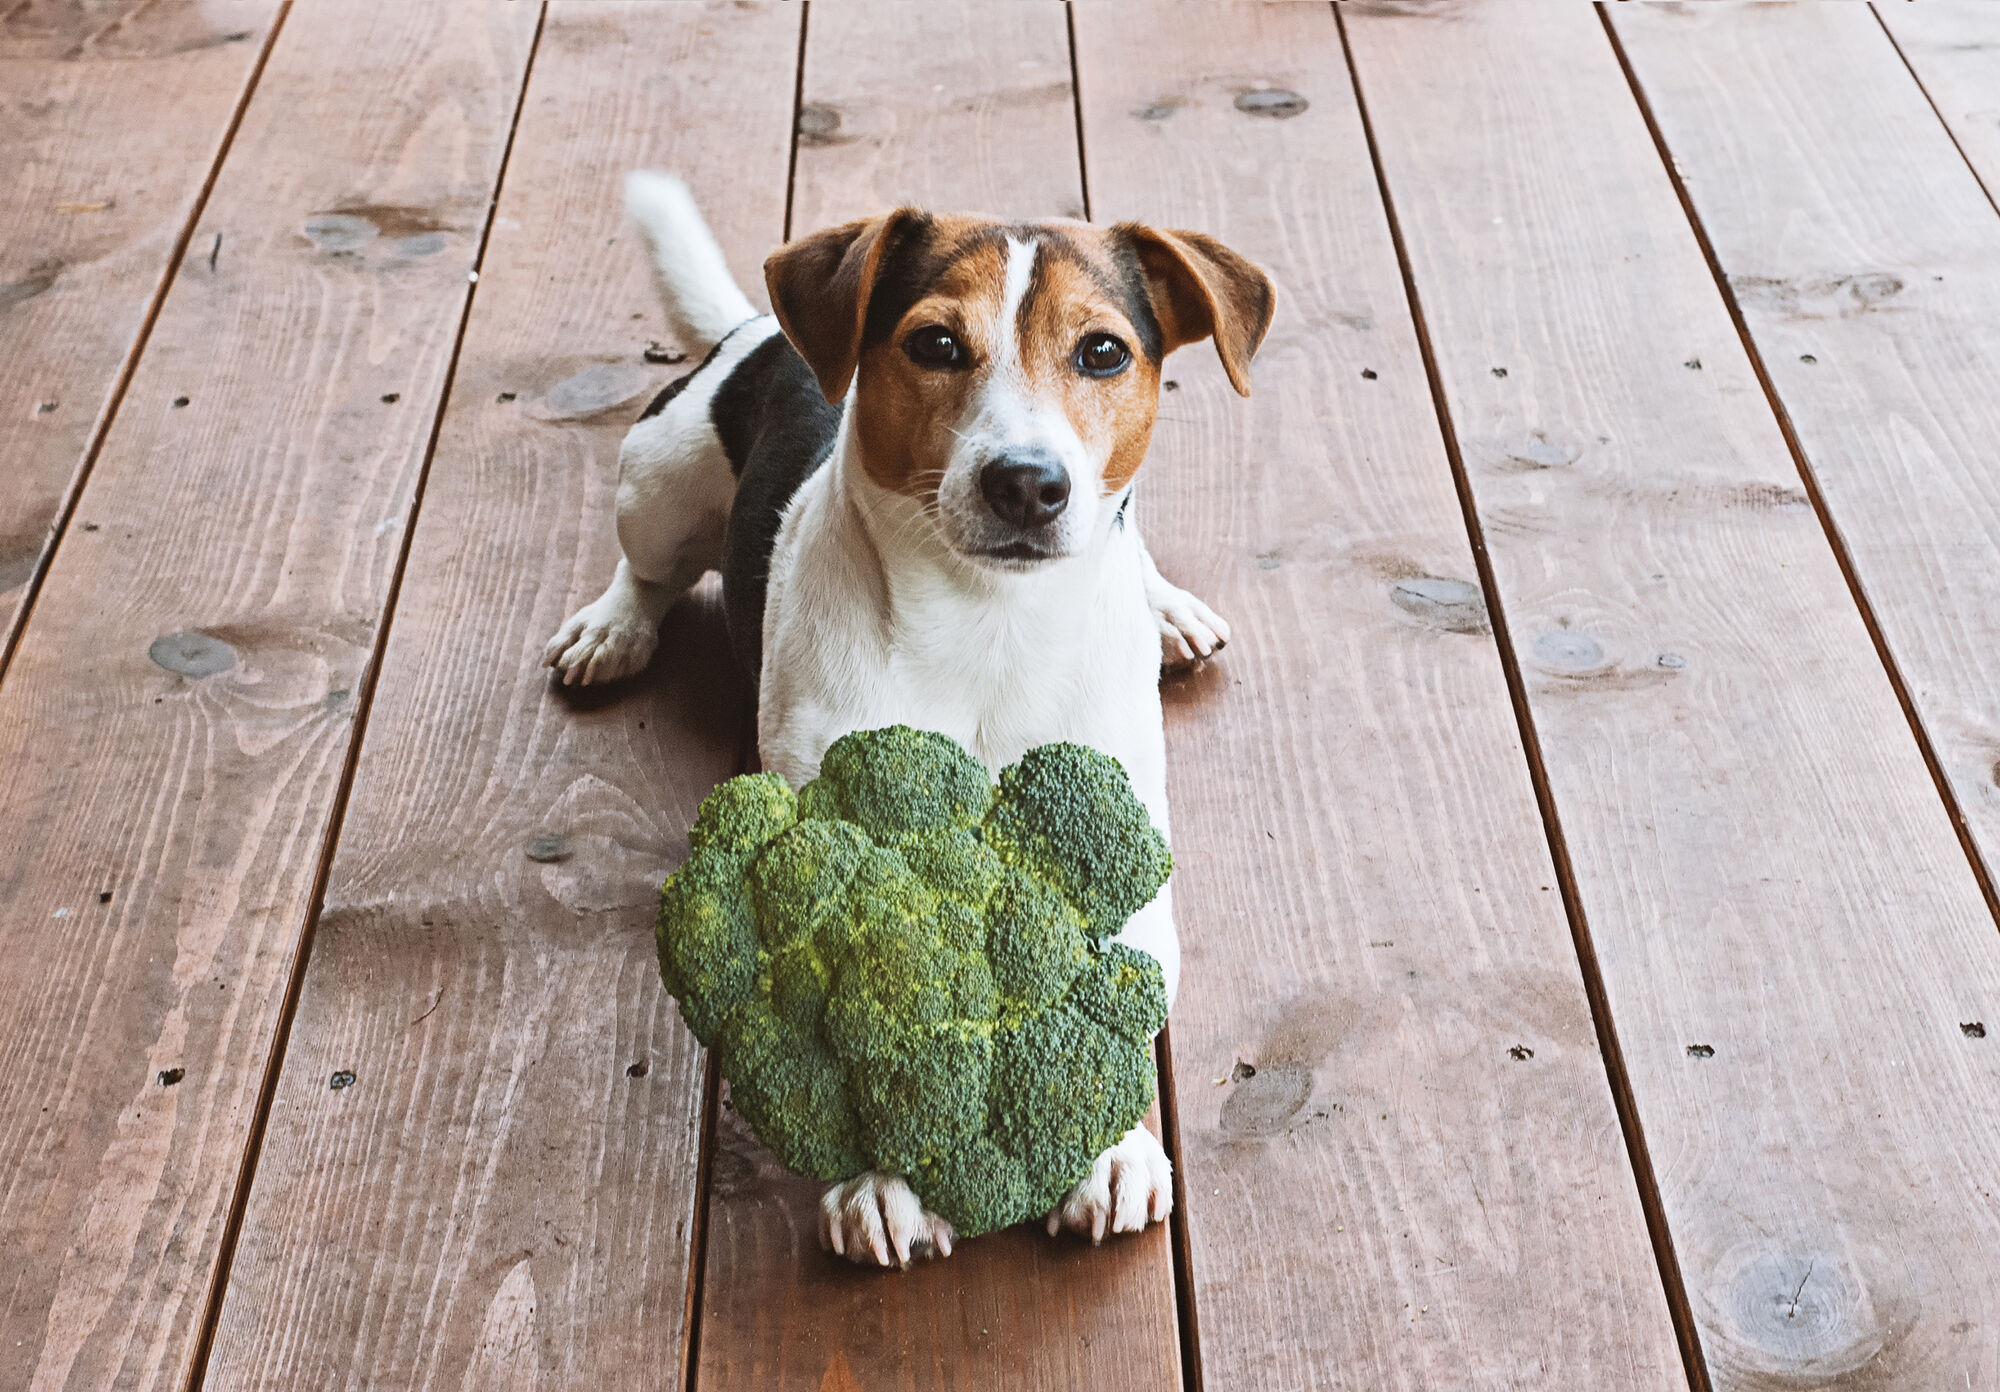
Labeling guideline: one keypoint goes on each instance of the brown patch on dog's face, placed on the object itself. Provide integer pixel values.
(1007, 375)
(1078, 317)
(909, 406)
(906, 411)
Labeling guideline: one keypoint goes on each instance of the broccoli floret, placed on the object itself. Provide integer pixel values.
(905, 969)
(1121, 988)
(800, 1098)
(708, 957)
(744, 813)
(1061, 816)
(1063, 1089)
(1034, 940)
(899, 780)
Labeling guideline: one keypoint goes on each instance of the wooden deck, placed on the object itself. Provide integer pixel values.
(1585, 852)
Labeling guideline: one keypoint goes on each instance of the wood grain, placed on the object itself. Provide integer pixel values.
(114, 124)
(1865, 259)
(1789, 934)
(1953, 47)
(958, 107)
(955, 106)
(176, 724)
(1394, 1118)
(507, 1190)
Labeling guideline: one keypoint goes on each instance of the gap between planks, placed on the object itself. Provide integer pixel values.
(364, 703)
(711, 1070)
(791, 190)
(1186, 1316)
(1842, 557)
(1675, 1287)
(73, 494)
(1916, 77)
(1180, 1241)
(746, 757)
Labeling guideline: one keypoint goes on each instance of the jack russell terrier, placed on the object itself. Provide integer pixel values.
(949, 545)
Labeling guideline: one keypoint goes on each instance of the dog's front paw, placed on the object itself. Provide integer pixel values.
(1190, 631)
(1131, 1185)
(601, 642)
(876, 1218)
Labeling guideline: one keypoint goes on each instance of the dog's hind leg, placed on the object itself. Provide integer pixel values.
(675, 484)
(674, 492)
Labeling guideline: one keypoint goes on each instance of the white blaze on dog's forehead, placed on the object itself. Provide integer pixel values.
(1013, 291)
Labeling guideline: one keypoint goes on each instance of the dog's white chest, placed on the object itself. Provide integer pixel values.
(1072, 655)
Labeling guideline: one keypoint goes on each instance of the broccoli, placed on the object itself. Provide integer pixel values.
(903, 968)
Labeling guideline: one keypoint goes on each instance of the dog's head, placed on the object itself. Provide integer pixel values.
(1006, 375)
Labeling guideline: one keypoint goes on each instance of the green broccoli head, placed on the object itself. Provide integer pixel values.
(904, 969)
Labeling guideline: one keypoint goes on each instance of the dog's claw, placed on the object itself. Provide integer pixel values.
(877, 1218)
(611, 637)
(1131, 1185)
(1190, 631)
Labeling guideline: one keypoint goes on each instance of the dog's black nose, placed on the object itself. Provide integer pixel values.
(1027, 490)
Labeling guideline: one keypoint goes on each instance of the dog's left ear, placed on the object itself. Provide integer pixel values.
(820, 286)
(1201, 289)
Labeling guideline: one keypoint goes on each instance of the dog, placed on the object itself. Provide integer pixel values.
(916, 478)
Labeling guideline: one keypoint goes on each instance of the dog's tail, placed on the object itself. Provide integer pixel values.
(703, 300)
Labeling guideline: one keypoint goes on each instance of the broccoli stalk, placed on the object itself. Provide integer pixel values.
(905, 969)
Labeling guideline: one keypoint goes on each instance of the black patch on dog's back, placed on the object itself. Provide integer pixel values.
(777, 429)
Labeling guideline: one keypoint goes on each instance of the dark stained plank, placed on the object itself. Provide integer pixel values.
(958, 107)
(176, 725)
(1363, 883)
(113, 126)
(1866, 261)
(508, 1189)
(1789, 933)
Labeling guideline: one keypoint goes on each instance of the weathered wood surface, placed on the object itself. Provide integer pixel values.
(506, 1194)
(1364, 890)
(1789, 933)
(958, 108)
(113, 126)
(176, 723)
(1865, 260)
(1763, 866)
(1953, 47)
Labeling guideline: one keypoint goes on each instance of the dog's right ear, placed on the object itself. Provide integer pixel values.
(820, 286)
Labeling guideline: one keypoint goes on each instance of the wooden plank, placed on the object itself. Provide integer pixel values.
(1361, 874)
(508, 1189)
(176, 725)
(114, 124)
(1875, 317)
(952, 106)
(1865, 259)
(1953, 47)
(1789, 934)
(958, 107)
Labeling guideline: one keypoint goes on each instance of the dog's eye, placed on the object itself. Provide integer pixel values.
(1101, 355)
(935, 347)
